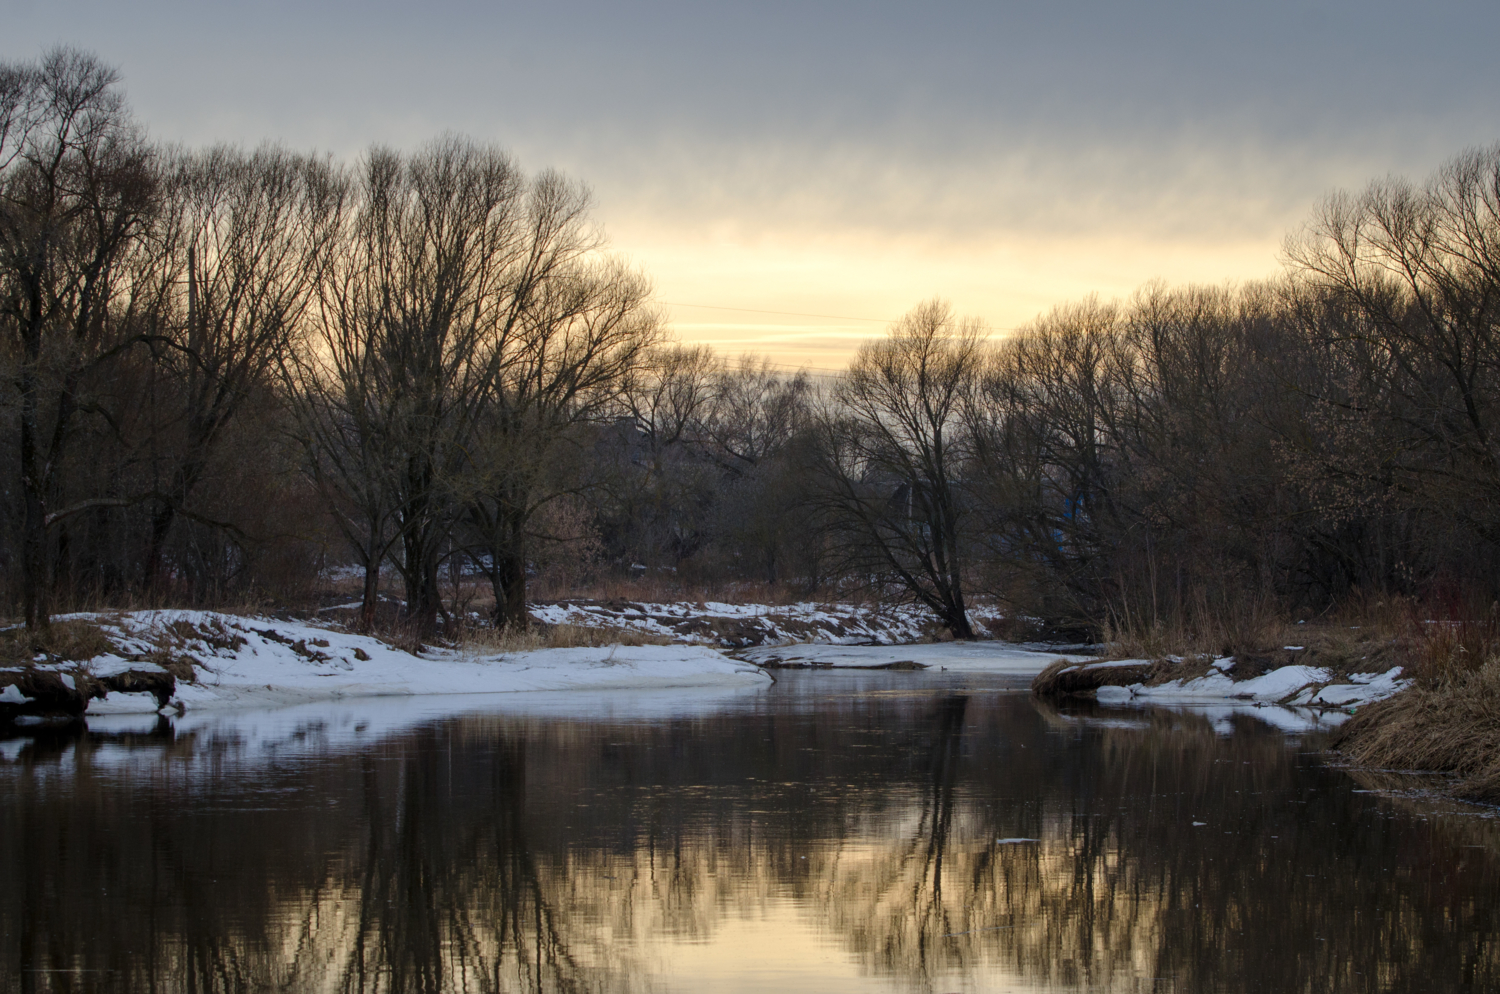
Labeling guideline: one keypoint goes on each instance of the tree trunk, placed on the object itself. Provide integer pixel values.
(957, 618)
(370, 599)
(161, 525)
(419, 571)
(508, 574)
(35, 607)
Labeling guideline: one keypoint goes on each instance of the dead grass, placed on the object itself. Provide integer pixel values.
(74, 640)
(1193, 629)
(171, 643)
(662, 588)
(1450, 725)
(1363, 635)
(487, 641)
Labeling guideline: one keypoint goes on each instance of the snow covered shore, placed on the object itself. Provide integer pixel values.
(242, 662)
(222, 661)
(1120, 681)
(740, 626)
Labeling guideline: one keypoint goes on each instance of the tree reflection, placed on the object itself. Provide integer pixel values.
(501, 854)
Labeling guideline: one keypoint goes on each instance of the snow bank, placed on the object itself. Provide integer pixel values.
(244, 662)
(738, 626)
(1294, 686)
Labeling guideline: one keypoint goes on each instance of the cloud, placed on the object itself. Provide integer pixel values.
(842, 157)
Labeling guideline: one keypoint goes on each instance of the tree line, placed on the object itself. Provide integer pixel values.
(227, 371)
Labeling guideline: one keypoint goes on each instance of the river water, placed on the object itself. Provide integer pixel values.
(835, 832)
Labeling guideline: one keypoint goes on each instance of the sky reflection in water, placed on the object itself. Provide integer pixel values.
(836, 832)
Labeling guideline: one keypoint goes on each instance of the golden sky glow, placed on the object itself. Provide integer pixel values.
(836, 293)
(846, 159)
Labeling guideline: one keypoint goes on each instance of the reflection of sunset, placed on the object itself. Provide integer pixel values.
(854, 846)
(775, 949)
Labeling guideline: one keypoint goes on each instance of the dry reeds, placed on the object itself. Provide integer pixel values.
(1447, 649)
(1433, 639)
(1449, 726)
(72, 640)
(488, 641)
(1192, 628)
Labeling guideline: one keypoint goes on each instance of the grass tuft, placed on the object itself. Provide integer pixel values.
(489, 641)
(73, 640)
(1448, 725)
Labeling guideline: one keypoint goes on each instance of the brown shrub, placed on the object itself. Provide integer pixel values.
(1195, 627)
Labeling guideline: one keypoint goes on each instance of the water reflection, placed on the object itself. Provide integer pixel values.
(807, 839)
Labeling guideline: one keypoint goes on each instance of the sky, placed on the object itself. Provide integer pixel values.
(794, 176)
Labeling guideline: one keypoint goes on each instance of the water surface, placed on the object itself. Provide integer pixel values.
(836, 832)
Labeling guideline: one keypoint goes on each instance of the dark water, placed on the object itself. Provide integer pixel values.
(832, 833)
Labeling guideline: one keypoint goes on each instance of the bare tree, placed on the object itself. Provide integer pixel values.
(1041, 426)
(759, 427)
(671, 476)
(467, 327)
(895, 449)
(404, 356)
(577, 329)
(1416, 272)
(242, 240)
(77, 185)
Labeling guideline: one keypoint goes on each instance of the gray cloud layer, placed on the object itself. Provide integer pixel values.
(1166, 121)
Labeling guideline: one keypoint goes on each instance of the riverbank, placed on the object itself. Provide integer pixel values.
(1449, 726)
(210, 660)
(1177, 681)
(743, 626)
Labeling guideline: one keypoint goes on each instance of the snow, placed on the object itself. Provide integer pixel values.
(1359, 691)
(275, 675)
(740, 625)
(1278, 683)
(1116, 664)
(12, 695)
(961, 657)
(1296, 686)
(124, 704)
(281, 663)
(1294, 699)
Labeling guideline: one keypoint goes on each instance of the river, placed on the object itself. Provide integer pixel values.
(834, 832)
